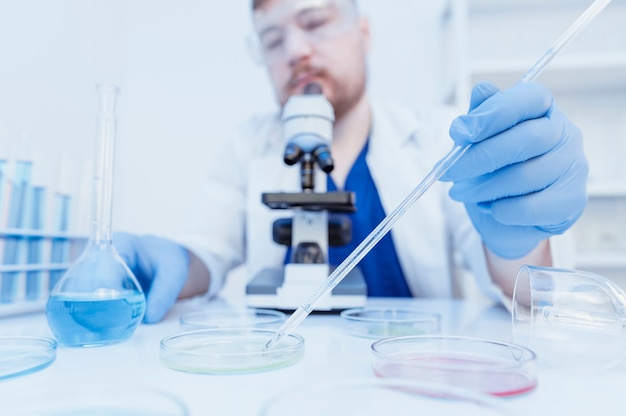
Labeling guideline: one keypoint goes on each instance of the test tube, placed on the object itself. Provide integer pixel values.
(35, 222)
(15, 219)
(35, 243)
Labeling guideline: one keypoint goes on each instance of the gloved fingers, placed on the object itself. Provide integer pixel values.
(481, 92)
(555, 208)
(159, 265)
(136, 255)
(511, 181)
(539, 192)
(501, 111)
(168, 280)
(127, 246)
(517, 179)
(527, 140)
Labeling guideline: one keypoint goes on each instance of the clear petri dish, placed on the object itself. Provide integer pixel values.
(376, 397)
(233, 318)
(229, 351)
(95, 400)
(492, 367)
(370, 322)
(21, 355)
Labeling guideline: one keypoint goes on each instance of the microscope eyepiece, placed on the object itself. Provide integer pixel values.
(312, 89)
(324, 160)
(293, 154)
(308, 127)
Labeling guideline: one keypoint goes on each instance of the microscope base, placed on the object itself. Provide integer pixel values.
(266, 291)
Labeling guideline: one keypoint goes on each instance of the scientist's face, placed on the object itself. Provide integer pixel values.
(322, 41)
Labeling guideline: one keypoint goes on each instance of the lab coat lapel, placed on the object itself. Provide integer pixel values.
(400, 156)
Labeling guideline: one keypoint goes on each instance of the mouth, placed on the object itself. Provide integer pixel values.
(299, 81)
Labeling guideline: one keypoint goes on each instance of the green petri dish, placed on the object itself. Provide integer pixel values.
(229, 351)
(20, 355)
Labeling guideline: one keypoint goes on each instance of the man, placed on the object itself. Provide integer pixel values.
(522, 181)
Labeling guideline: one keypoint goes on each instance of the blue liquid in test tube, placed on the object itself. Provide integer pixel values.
(17, 204)
(35, 244)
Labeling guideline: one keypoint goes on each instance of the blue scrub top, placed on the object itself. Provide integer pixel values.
(380, 267)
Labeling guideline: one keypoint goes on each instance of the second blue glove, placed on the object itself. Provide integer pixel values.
(160, 266)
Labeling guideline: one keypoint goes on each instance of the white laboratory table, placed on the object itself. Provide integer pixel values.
(330, 354)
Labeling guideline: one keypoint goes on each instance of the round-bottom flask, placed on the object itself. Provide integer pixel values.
(98, 301)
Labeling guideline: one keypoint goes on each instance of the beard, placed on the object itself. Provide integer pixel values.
(346, 98)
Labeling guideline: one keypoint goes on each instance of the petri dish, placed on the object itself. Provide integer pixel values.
(376, 397)
(233, 318)
(21, 355)
(486, 366)
(381, 322)
(229, 351)
(95, 400)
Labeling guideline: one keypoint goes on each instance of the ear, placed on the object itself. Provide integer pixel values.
(364, 27)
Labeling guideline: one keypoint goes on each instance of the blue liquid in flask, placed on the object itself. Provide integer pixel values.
(93, 321)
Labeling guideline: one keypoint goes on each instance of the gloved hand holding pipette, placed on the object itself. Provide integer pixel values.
(523, 179)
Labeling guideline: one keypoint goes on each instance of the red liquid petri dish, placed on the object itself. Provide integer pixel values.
(487, 366)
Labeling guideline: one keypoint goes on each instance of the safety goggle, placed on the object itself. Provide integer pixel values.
(314, 21)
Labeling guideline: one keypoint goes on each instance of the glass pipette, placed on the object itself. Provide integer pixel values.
(438, 170)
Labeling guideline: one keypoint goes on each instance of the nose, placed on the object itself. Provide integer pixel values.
(297, 45)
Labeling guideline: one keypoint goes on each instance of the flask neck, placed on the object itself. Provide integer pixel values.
(102, 204)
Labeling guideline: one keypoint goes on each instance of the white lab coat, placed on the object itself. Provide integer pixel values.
(435, 239)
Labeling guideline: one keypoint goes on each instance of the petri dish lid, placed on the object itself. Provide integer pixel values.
(23, 355)
(492, 367)
(96, 399)
(383, 322)
(381, 397)
(229, 351)
(233, 318)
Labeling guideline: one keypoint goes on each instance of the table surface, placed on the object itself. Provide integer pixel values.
(330, 354)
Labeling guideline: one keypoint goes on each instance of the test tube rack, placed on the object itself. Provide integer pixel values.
(25, 284)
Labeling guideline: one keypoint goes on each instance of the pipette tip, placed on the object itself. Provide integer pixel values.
(272, 342)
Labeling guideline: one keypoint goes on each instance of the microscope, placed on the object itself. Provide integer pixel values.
(318, 219)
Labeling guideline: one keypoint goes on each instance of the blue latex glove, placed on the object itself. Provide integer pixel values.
(524, 177)
(159, 265)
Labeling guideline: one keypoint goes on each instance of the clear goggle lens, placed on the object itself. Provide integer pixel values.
(313, 20)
